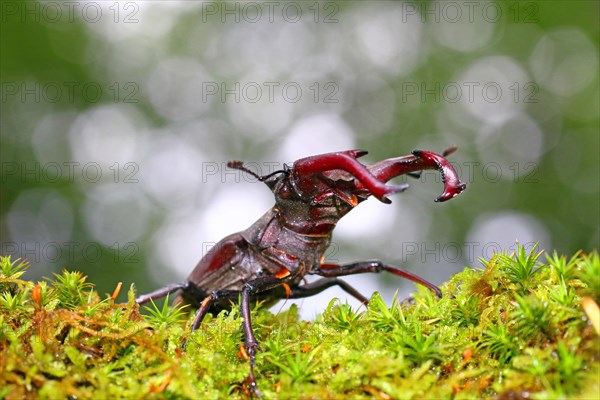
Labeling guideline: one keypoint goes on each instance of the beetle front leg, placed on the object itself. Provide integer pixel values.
(335, 270)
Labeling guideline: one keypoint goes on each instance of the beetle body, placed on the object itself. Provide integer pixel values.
(265, 249)
(269, 260)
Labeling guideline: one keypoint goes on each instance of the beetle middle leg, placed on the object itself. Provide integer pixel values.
(310, 289)
(335, 270)
(250, 343)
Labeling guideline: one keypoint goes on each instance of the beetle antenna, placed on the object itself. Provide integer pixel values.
(240, 165)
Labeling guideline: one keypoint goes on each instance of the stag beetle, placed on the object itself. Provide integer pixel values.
(269, 260)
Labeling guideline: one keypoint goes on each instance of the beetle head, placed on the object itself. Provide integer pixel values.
(313, 194)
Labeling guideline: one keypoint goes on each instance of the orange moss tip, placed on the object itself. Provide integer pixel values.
(160, 388)
(306, 348)
(116, 291)
(36, 296)
(467, 354)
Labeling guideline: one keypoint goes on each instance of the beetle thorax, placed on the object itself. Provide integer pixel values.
(278, 246)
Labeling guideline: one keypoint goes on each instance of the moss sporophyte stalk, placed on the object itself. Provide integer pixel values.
(524, 325)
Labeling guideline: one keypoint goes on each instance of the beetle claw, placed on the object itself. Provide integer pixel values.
(452, 185)
(448, 194)
(358, 153)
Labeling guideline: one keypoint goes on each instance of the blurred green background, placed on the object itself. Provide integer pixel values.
(117, 118)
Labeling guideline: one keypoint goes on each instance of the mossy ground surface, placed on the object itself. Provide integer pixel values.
(522, 326)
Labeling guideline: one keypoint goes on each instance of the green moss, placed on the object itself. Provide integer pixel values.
(514, 329)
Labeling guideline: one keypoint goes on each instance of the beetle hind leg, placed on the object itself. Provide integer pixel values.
(335, 270)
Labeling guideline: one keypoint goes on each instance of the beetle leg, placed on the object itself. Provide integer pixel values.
(208, 302)
(335, 270)
(250, 343)
(205, 307)
(162, 292)
(310, 289)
